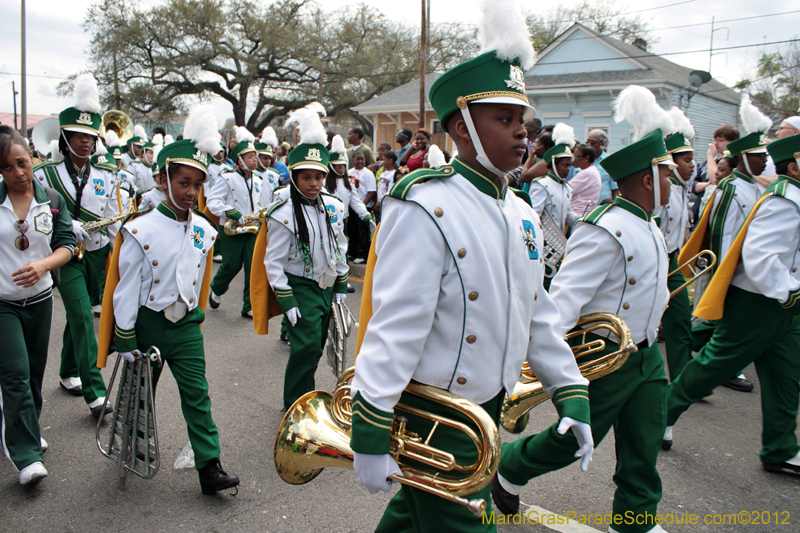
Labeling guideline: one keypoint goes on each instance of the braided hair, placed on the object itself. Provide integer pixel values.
(303, 242)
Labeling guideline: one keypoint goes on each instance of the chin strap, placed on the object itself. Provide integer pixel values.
(747, 165)
(678, 177)
(656, 189)
(66, 141)
(169, 191)
(476, 141)
(294, 184)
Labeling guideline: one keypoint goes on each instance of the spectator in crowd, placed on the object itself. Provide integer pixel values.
(533, 127)
(377, 167)
(386, 178)
(536, 166)
(789, 127)
(403, 138)
(586, 182)
(598, 141)
(355, 137)
(725, 166)
(414, 157)
(722, 136)
(281, 168)
(358, 231)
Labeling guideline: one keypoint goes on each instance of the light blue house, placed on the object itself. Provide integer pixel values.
(577, 77)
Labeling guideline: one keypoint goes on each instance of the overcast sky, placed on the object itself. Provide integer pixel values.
(57, 45)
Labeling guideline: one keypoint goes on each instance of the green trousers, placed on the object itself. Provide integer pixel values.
(26, 334)
(631, 400)
(237, 251)
(79, 350)
(307, 337)
(416, 511)
(677, 322)
(181, 346)
(754, 329)
(95, 264)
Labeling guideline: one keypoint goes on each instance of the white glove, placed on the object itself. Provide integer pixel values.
(338, 298)
(80, 233)
(373, 471)
(128, 356)
(582, 432)
(372, 227)
(292, 315)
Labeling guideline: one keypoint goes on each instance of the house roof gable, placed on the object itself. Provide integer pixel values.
(400, 98)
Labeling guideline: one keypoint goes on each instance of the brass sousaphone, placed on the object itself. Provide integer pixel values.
(118, 122)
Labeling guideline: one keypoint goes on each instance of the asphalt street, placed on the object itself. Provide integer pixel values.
(713, 467)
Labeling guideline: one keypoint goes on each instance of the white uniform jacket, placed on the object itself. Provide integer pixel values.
(232, 194)
(161, 266)
(328, 265)
(771, 250)
(675, 216)
(270, 180)
(553, 195)
(350, 199)
(616, 262)
(728, 216)
(151, 199)
(458, 301)
(99, 198)
(143, 175)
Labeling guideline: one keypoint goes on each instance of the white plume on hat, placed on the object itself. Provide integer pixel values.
(562, 134)
(436, 157)
(112, 139)
(100, 148)
(269, 137)
(504, 30)
(168, 139)
(753, 119)
(156, 150)
(337, 145)
(680, 123)
(138, 131)
(87, 97)
(308, 122)
(55, 153)
(243, 135)
(158, 140)
(639, 107)
(201, 128)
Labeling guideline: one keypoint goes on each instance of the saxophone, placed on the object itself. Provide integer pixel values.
(99, 225)
(246, 224)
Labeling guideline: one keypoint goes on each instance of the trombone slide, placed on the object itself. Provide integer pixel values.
(703, 261)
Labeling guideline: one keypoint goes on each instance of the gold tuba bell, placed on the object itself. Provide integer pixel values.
(528, 392)
(118, 122)
(315, 434)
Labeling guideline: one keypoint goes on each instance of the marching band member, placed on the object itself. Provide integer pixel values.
(305, 255)
(90, 195)
(616, 262)
(134, 145)
(158, 282)
(753, 297)
(677, 319)
(140, 167)
(151, 198)
(270, 179)
(236, 193)
(36, 238)
(733, 200)
(552, 193)
(475, 248)
(338, 183)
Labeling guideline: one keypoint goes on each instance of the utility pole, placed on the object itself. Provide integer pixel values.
(423, 44)
(14, 93)
(24, 88)
(711, 53)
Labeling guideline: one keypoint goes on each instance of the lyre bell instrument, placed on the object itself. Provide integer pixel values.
(99, 225)
(246, 224)
(118, 122)
(44, 132)
(698, 264)
(338, 332)
(133, 435)
(315, 434)
(555, 244)
(528, 392)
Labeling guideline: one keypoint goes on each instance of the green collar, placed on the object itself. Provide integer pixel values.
(781, 177)
(743, 176)
(486, 185)
(632, 207)
(167, 211)
(555, 178)
(674, 180)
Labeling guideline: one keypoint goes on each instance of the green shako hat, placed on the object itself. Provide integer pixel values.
(311, 152)
(497, 75)
(139, 136)
(245, 142)
(338, 153)
(564, 137)
(678, 140)
(785, 149)
(200, 140)
(102, 159)
(756, 124)
(642, 154)
(269, 140)
(84, 116)
(113, 143)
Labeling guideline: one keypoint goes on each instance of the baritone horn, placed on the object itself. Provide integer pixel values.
(698, 264)
(118, 122)
(315, 434)
(528, 392)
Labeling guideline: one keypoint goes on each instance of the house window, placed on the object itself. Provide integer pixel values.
(436, 127)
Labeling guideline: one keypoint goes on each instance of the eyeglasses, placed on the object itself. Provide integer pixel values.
(22, 241)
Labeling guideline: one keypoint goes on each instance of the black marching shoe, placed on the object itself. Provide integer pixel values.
(284, 338)
(739, 384)
(781, 468)
(506, 503)
(214, 479)
(101, 410)
(666, 444)
(213, 303)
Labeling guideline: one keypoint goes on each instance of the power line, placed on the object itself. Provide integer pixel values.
(34, 75)
(658, 7)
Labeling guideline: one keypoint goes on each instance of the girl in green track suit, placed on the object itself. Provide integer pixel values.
(164, 270)
(35, 238)
(305, 255)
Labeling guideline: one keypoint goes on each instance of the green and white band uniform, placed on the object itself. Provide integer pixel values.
(674, 216)
(232, 197)
(150, 199)
(552, 193)
(25, 317)
(760, 322)
(270, 178)
(138, 139)
(349, 198)
(215, 168)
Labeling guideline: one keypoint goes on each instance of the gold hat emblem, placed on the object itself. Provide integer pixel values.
(517, 81)
(201, 156)
(102, 159)
(85, 118)
(314, 155)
